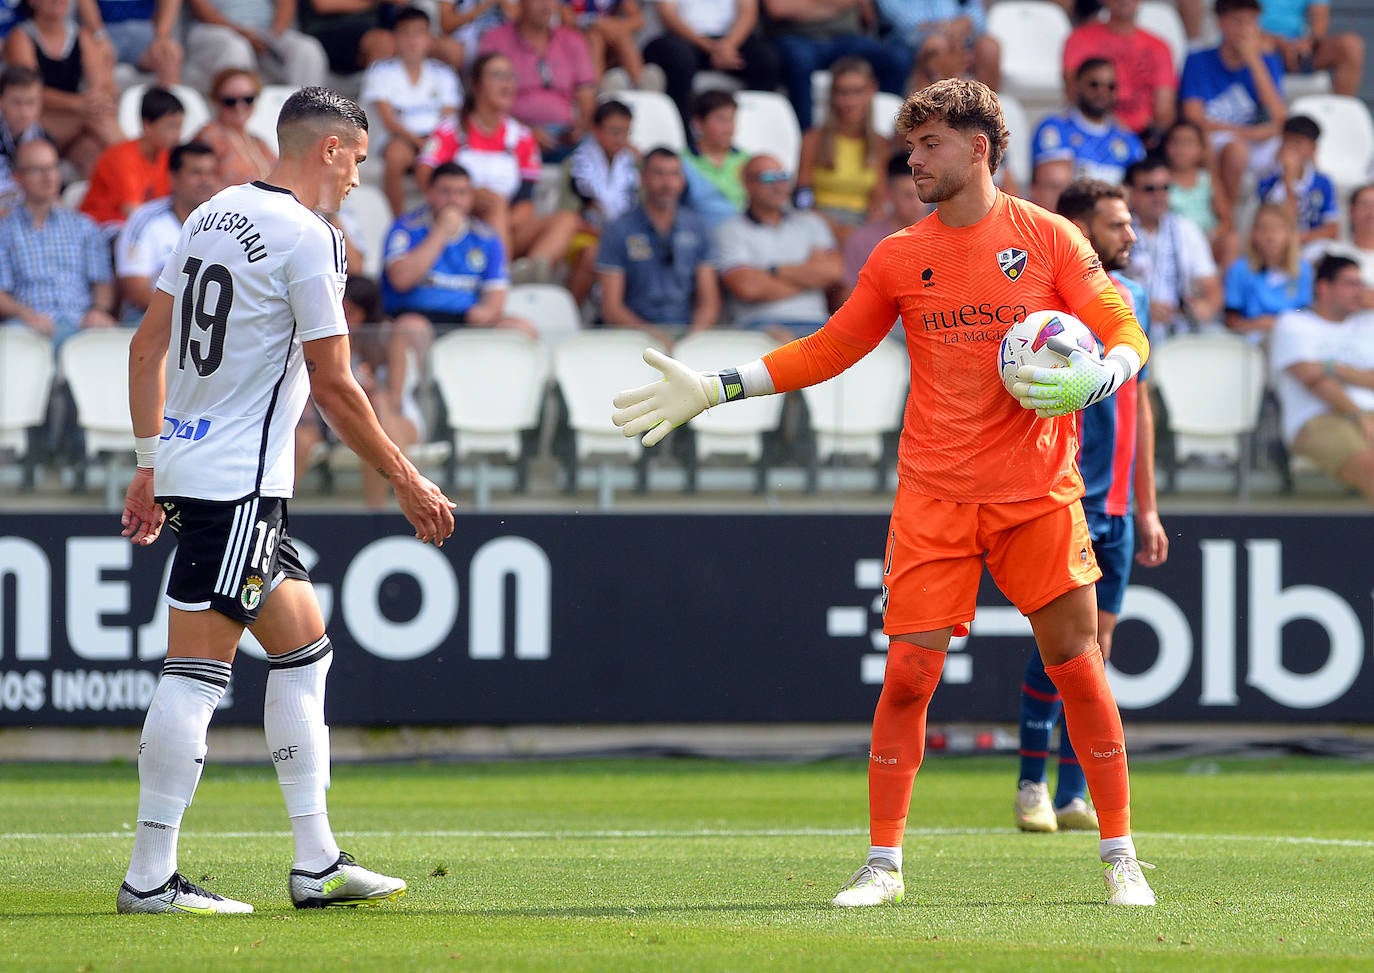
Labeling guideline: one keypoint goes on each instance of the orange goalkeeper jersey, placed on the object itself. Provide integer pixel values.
(957, 291)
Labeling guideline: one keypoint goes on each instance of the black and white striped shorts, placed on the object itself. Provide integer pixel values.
(229, 555)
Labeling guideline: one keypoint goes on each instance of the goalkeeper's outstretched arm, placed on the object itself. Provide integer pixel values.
(659, 407)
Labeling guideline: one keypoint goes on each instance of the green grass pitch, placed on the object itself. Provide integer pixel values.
(687, 864)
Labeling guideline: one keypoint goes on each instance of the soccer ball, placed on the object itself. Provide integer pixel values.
(1027, 342)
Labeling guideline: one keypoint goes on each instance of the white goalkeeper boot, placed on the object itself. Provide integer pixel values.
(343, 883)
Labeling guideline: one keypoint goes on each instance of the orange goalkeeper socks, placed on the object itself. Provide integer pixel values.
(1094, 723)
(899, 737)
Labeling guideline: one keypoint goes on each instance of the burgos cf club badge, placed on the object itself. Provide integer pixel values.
(1012, 262)
(251, 595)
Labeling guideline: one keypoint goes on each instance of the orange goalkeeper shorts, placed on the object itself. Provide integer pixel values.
(1035, 550)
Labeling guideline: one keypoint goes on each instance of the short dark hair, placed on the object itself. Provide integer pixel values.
(159, 103)
(1357, 192)
(1303, 126)
(449, 169)
(1229, 6)
(660, 152)
(611, 109)
(178, 155)
(1092, 64)
(316, 104)
(407, 14)
(897, 165)
(710, 100)
(1330, 266)
(18, 76)
(1079, 199)
(1150, 163)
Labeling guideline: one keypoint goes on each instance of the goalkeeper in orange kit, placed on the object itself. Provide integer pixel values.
(985, 477)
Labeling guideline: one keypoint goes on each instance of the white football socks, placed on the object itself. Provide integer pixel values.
(893, 855)
(1112, 848)
(171, 756)
(298, 741)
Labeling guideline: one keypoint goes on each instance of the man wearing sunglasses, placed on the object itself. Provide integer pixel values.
(1084, 141)
(776, 263)
(1171, 257)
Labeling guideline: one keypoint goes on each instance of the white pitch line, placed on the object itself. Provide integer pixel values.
(610, 834)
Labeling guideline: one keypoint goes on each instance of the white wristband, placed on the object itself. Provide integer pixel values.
(145, 451)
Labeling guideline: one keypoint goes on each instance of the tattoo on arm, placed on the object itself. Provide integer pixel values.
(310, 365)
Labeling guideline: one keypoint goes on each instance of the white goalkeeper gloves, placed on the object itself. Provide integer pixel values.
(658, 408)
(1082, 381)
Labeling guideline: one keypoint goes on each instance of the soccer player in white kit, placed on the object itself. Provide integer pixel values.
(246, 323)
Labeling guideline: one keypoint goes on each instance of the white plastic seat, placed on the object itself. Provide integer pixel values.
(26, 373)
(765, 124)
(590, 367)
(1032, 35)
(1212, 386)
(654, 120)
(1017, 160)
(852, 413)
(1162, 19)
(131, 99)
(739, 428)
(492, 384)
(95, 365)
(75, 193)
(549, 307)
(263, 121)
(1345, 150)
(367, 217)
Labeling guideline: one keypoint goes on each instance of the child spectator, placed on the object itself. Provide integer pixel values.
(132, 173)
(602, 184)
(1294, 182)
(1271, 278)
(610, 27)
(843, 162)
(715, 190)
(1194, 191)
(411, 95)
(21, 104)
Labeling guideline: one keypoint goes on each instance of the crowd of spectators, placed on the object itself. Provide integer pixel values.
(504, 154)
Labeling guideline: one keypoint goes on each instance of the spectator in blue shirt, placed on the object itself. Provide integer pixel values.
(1234, 91)
(1271, 278)
(444, 268)
(1084, 141)
(55, 274)
(655, 266)
(1294, 182)
(1301, 30)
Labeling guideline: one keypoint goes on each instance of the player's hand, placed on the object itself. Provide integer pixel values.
(1066, 388)
(143, 516)
(426, 507)
(1154, 542)
(659, 407)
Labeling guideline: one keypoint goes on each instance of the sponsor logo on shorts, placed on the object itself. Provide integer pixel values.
(1083, 555)
(251, 595)
(884, 601)
(193, 429)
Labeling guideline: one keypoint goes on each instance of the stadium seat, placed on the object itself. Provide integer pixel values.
(589, 367)
(263, 121)
(93, 363)
(1212, 386)
(1345, 150)
(26, 372)
(492, 383)
(75, 193)
(1018, 157)
(367, 216)
(549, 307)
(655, 120)
(197, 111)
(1161, 18)
(766, 124)
(1032, 34)
(853, 413)
(741, 429)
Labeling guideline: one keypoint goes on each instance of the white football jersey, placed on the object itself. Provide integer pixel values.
(254, 274)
